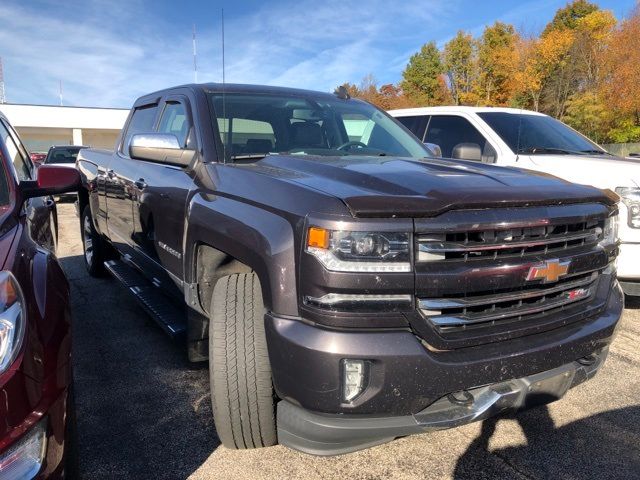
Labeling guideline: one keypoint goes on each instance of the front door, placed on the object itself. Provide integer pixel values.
(120, 178)
(162, 193)
(40, 211)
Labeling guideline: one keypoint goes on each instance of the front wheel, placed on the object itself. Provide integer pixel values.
(92, 245)
(240, 372)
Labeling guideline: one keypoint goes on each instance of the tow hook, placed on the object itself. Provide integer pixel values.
(588, 360)
(463, 398)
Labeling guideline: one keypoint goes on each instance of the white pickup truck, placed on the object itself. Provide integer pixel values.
(524, 139)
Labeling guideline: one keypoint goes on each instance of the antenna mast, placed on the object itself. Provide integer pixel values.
(195, 63)
(224, 105)
(3, 99)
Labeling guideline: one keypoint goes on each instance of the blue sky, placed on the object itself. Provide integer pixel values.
(108, 52)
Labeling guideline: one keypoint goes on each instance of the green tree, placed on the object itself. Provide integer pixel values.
(498, 62)
(461, 65)
(569, 16)
(422, 78)
(587, 113)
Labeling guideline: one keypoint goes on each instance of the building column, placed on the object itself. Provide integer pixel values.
(77, 136)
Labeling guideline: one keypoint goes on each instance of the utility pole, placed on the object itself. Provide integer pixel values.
(60, 92)
(195, 63)
(3, 98)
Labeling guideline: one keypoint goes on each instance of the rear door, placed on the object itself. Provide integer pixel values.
(162, 193)
(120, 177)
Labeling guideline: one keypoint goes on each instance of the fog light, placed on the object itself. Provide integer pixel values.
(353, 378)
(24, 459)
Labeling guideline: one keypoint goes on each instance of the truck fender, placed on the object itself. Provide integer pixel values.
(255, 237)
(88, 192)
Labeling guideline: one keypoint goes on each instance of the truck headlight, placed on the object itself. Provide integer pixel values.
(630, 196)
(12, 319)
(610, 231)
(345, 251)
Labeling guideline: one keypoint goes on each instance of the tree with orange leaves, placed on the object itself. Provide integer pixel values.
(623, 68)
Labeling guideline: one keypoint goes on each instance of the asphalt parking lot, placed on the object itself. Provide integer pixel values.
(145, 412)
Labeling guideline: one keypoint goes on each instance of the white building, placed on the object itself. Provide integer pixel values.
(41, 126)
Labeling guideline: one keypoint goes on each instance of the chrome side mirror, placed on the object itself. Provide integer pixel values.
(160, 148)
(435, 149)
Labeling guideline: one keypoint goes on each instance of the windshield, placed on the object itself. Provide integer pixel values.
(539, 134)
(62, 155)
(253, 125)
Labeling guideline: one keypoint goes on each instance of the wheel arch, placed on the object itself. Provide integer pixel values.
(226, 236)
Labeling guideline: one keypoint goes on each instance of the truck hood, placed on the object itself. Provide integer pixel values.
(401, 187)
(597, 170)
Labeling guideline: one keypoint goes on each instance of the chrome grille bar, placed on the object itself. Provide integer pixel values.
(444, 303)
(479, 244)
(447, 313)
(439, 247)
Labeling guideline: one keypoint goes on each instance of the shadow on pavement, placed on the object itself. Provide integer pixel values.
(603, 446)
(143, 410)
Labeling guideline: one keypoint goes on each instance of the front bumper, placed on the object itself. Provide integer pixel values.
(322, 434)
(406, 379)
(48, 411)
(628, 264)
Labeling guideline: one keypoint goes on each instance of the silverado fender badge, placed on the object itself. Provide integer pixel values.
(170, 250)
(549, 271)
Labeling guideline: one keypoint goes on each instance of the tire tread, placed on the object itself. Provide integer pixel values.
(241, 388)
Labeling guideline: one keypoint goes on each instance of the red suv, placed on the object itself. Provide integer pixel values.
(36, 406)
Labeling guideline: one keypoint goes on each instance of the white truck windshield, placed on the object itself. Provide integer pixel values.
(539, 134)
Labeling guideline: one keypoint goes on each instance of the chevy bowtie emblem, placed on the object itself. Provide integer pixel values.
(549, 271)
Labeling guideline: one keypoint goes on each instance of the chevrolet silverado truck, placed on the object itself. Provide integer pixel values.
(345, 288)
(513, 137)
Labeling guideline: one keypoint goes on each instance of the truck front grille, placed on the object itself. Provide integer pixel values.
(512, 242)
(488, 309)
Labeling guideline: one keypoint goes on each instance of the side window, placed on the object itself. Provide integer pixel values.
(174, 120)
(458, 138)
(17, 153)
(142, 121)
(417, 124)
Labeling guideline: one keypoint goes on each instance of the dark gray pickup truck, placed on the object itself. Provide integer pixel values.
(345, 288)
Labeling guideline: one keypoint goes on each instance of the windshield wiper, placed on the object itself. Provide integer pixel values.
(543, 150)
(249, 156)
(596, 152)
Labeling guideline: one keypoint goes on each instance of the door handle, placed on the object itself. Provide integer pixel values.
(140, 184)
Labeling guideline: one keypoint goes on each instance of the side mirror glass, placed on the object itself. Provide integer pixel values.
(467, 151)
(51, 180)
(434, 148)
(160, 148)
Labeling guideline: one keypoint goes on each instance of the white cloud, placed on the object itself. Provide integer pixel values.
(108, 52)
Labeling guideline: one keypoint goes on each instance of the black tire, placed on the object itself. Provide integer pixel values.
(92, 245)
(239, 368)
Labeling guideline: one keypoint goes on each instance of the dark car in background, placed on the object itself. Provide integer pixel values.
(36, 407)
(63, 154)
